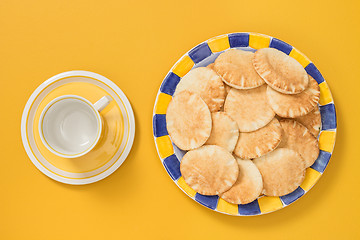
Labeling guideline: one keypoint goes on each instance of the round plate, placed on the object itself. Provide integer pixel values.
(114, 144)
(206, 53)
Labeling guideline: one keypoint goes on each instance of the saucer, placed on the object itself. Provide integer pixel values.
(114, 144)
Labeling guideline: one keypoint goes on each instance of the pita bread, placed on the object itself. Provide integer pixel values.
(205, 82)
(211, 66)
(227, 87)
(280, 71)
(188, 120)
(236, 69)
(224, 132)
(312, 121)
(209, 170)
(278, 117)
(295, 105)
(249, 108)
(298, 138)
(258, 143)
(283, 170)
(247, 187)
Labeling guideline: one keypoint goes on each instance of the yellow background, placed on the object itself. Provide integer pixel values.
(135, 43)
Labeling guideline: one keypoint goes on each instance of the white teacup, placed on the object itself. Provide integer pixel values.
(70, 126)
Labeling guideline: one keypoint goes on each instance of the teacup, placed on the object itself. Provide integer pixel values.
(70, 126)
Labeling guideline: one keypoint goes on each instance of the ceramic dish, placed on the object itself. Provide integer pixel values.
(206, 53)
(114, 144)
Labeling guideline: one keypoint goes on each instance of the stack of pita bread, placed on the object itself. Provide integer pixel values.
(249, 122)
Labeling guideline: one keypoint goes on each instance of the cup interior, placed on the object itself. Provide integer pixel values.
(70, 126)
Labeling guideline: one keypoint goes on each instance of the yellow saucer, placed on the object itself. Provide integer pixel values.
(114, 144)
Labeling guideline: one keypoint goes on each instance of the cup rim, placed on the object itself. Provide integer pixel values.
(49, 105)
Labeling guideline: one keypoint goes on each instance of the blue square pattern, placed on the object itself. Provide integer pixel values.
(293, 196)
(200, 52)
(159, 125)
(280, 45)
(249, 209)
(328, 116)
(238, 40)
(322, 161)
(169, 84)
(314, 72)
(207, 201)
(172, 166)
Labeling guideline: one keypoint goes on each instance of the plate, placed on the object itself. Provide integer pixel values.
(113, 146)
(206, 53)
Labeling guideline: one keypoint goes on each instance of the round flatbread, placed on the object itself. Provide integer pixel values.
(298, 138)
(283, 170)
(236, 69)
(280, 71)
(278, 117)
(247, 187)
(188, 120)
(312, 121)
(294, 105)
(258, 143)
(224, 132)
(211, 66)
(249, 108)
(205, 82)
(227, 87)
(209, 170)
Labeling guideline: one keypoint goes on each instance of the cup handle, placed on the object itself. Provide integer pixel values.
(102, 103)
